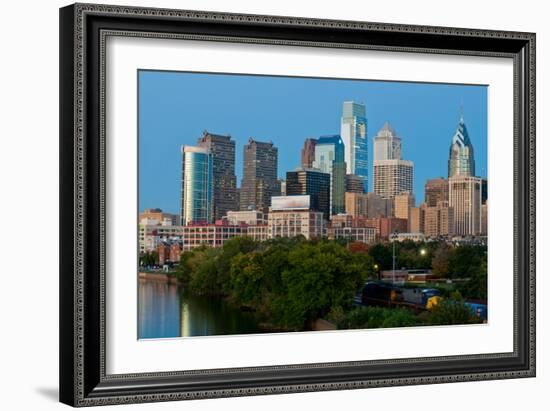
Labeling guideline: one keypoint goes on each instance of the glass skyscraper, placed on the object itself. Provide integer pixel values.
(461, 152)
(330, 158)
(222, 149)
(353, 130)
(315, 183)
(196, 186)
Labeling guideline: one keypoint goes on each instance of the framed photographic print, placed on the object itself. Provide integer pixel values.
(262, 204)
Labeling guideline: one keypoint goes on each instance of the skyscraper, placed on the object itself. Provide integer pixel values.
(222, 149)
(436, 190)
(392, 175)
(353, 130)
(315, 183)
(259, 181)
(461, 152)
(387, 144)
(465, 199)
(354, 184)
(308, 152)
(329, 158)
(196, 185)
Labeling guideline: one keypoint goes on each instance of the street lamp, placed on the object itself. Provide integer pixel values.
(394, 238)
(422, 252)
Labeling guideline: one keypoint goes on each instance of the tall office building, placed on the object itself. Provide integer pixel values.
(378, 206)
(357, 204)
(354, 184)
(196, 185)
(329, 158)
(259, 182)
(465, 199)
(461, 152)
(222, 149)
(353, 130)
(387, 144)
(436, 190)
(392, 174)
(308, 152)
(439, 220)
(315, 183)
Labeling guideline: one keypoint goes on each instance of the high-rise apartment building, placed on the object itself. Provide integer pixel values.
(222, 149)
(436, 190)
(353, 130)
(315, 183)
(329, 158)
(308, 152)
(196, 185)
(461, 152)
(393, 177)
(259, 182)
(392, 174)
(465, 199)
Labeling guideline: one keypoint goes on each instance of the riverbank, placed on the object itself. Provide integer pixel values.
(164, 277)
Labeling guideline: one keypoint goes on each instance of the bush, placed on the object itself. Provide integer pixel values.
(451, 312)
(378, 317)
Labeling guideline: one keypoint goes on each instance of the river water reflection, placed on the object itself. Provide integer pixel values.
(167, 310)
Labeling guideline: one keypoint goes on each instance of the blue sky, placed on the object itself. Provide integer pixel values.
(175, 108)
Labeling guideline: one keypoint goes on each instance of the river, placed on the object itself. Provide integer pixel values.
(167, 310)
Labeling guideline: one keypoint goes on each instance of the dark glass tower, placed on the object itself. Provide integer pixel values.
(330, 158)
(259, 181)
(222, 149)
(311, 182)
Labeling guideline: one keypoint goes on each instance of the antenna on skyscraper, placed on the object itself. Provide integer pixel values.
(462, 110)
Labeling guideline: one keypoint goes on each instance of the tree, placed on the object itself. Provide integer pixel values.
(450, 311)
(440, 262)
(382, 255)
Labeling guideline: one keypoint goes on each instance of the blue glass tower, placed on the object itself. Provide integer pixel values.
(330, 158)
(353, 130)
(196, 186)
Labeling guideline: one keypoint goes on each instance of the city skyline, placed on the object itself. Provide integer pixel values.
(167, 118)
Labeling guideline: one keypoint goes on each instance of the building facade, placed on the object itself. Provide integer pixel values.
(312, 182)
(224, 184)
(357, 204)
(439, 220)
(353, 130)
(354, 184)
(436, 190)
(196, 186)
(465, 199)
(308, 152)
(161, 217)
(461, 152)
(293, 223)
(367, 235)
(211, 235)
(393, 177)
(259, 181)
(329, 158)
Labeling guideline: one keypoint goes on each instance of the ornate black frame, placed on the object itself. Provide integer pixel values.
(83, 30)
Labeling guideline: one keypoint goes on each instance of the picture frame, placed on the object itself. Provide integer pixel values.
(84, 380)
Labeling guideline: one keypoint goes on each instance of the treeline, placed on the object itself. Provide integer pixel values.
(289, 282)
(446, 261)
